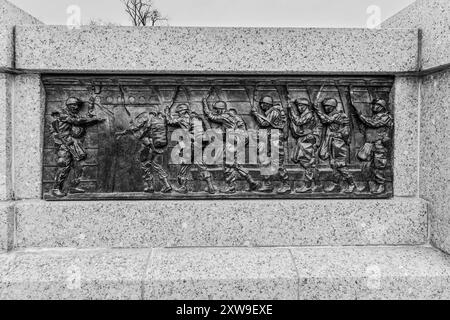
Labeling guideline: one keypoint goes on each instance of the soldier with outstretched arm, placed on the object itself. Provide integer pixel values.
(68, 131)
(374, 153)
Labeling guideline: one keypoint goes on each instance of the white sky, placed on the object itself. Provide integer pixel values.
(252, 13)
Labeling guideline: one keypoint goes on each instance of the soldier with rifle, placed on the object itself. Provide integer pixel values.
(335, 146)
(374, 153)
(230, 121)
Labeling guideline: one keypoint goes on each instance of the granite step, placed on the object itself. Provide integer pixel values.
(256, 223)
(395, 272)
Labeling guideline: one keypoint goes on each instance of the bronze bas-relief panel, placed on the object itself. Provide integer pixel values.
(117, 137)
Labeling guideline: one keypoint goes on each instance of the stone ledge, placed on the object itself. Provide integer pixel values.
(227, 273)
(7, 48)
(215, 50)
(431, 16)
(135, 224)
(6, 225)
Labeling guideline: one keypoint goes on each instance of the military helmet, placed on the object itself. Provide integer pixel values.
(181, 108)
(303, 102)
(331, 102)
(267, 100)
(73, 101)
(382, 103)
(221, 105)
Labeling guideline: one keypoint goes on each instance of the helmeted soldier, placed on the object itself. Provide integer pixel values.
(374, 153)
(274, 118)
(231, 121)
(186, 120)
(306, 129)
(68, 131)
(150, 129)
(336, 144)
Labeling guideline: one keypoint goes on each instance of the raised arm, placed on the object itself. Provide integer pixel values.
(376, 122)
(298, 119)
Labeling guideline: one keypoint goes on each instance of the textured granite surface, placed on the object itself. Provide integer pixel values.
(6, 83)
(181, 49)
(28, 114)
(227, 273)
(71, 274)
(216, 274)
(432, 16)
(372, 273)
(434, 154)
(12, 15)
(406, 153)
(6, 47)
(220, 223)
(6, 225)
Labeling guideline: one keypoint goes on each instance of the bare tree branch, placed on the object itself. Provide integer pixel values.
(143, 12)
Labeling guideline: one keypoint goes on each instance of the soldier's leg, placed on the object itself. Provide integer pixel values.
(77, 174)
(307, 160)
(162, 174)
(265, 169)
(347, 177)
(146, 167)
(379, 166)
(253, 185)
(64, 163)
(206, 176)
(183, 177)
(230, 178)
(284, 176)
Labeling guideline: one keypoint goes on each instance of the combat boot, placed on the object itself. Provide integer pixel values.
(77, 190)
(266, 186)
(351, 186)
(253, 185)
(381, 189)
(230, 189)
(150, 187)
(210, 187)
(306, 188)
(333, 187)
(167, 188)
(58, 193)
(285, 188)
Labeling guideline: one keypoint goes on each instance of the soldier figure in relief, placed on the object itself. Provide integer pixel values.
(306, 129)
(374, 153)
(274, 118)
(336, 144)
(231, 121)
(68, 131)
(151, 130)
(185, 120)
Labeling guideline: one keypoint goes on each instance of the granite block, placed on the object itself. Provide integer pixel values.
(432, 17)
(6, 225)
(28, 115)
(220, 223)
(215, 50)
(216, 274)
(75, 274)
(12, 15)
(6, 47)
(434, 155)
(398, 273)
(406, 153)
(6, 83)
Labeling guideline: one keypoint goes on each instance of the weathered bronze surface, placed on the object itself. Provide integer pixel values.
(112, 137)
